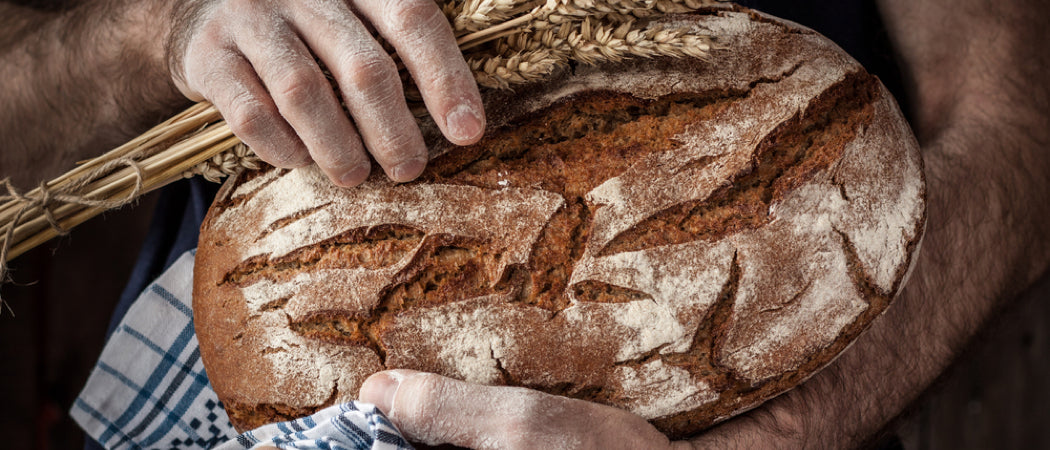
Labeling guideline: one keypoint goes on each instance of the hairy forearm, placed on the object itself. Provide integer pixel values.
(983, 116)
(78, 81)
(977, 73)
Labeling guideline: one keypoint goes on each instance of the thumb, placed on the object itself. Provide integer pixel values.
(433, 409)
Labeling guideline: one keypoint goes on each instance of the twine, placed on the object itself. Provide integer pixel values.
(46, 199)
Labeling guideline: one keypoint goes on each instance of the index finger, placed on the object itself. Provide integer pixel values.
(426, 44)
(370, 85)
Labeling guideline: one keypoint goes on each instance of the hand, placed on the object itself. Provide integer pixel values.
(255, 61)
(432, 409)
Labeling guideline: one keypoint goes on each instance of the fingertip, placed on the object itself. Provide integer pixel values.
(380, 388)
(408, 170)
(464, 124)
(354, 176)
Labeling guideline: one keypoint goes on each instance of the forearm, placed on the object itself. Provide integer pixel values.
(78, 82)
(977, 73)
(982, 113)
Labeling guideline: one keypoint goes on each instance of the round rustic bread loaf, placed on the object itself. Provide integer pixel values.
(680, 238)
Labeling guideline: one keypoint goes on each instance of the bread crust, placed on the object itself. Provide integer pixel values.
(681, 238)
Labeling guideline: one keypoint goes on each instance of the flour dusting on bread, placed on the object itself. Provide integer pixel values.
(680, 238)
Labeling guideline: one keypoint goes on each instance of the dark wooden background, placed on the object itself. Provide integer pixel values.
(995, 398)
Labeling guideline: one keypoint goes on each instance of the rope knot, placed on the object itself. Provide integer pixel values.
(49, 201)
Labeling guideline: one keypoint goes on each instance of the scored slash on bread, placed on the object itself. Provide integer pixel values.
(680, 238)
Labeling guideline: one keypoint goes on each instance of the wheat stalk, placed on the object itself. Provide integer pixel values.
(506, 42)
(476, 15)
(502, 72)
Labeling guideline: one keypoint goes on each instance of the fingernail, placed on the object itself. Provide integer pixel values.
(408, 170)
(380, 388)
(355, 176)
(464, 123)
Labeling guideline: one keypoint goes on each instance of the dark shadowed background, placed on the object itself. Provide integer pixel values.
(995, 397)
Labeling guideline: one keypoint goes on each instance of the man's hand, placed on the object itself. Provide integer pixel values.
(256, 61)
(432, 409)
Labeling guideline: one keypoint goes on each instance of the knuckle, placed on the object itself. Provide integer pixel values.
(195, 56)
(451, 78)
(256, 124)
(370, 71)
(531, 403)
(249, 117)
(300, 86)
(428, 390)
(283, 156)
(211, 34)
(524, 423)
(412, 16)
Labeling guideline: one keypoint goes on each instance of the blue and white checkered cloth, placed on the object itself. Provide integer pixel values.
(346, 426)
(149, 390)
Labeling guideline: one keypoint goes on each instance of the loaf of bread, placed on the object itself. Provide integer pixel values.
(681, 238)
